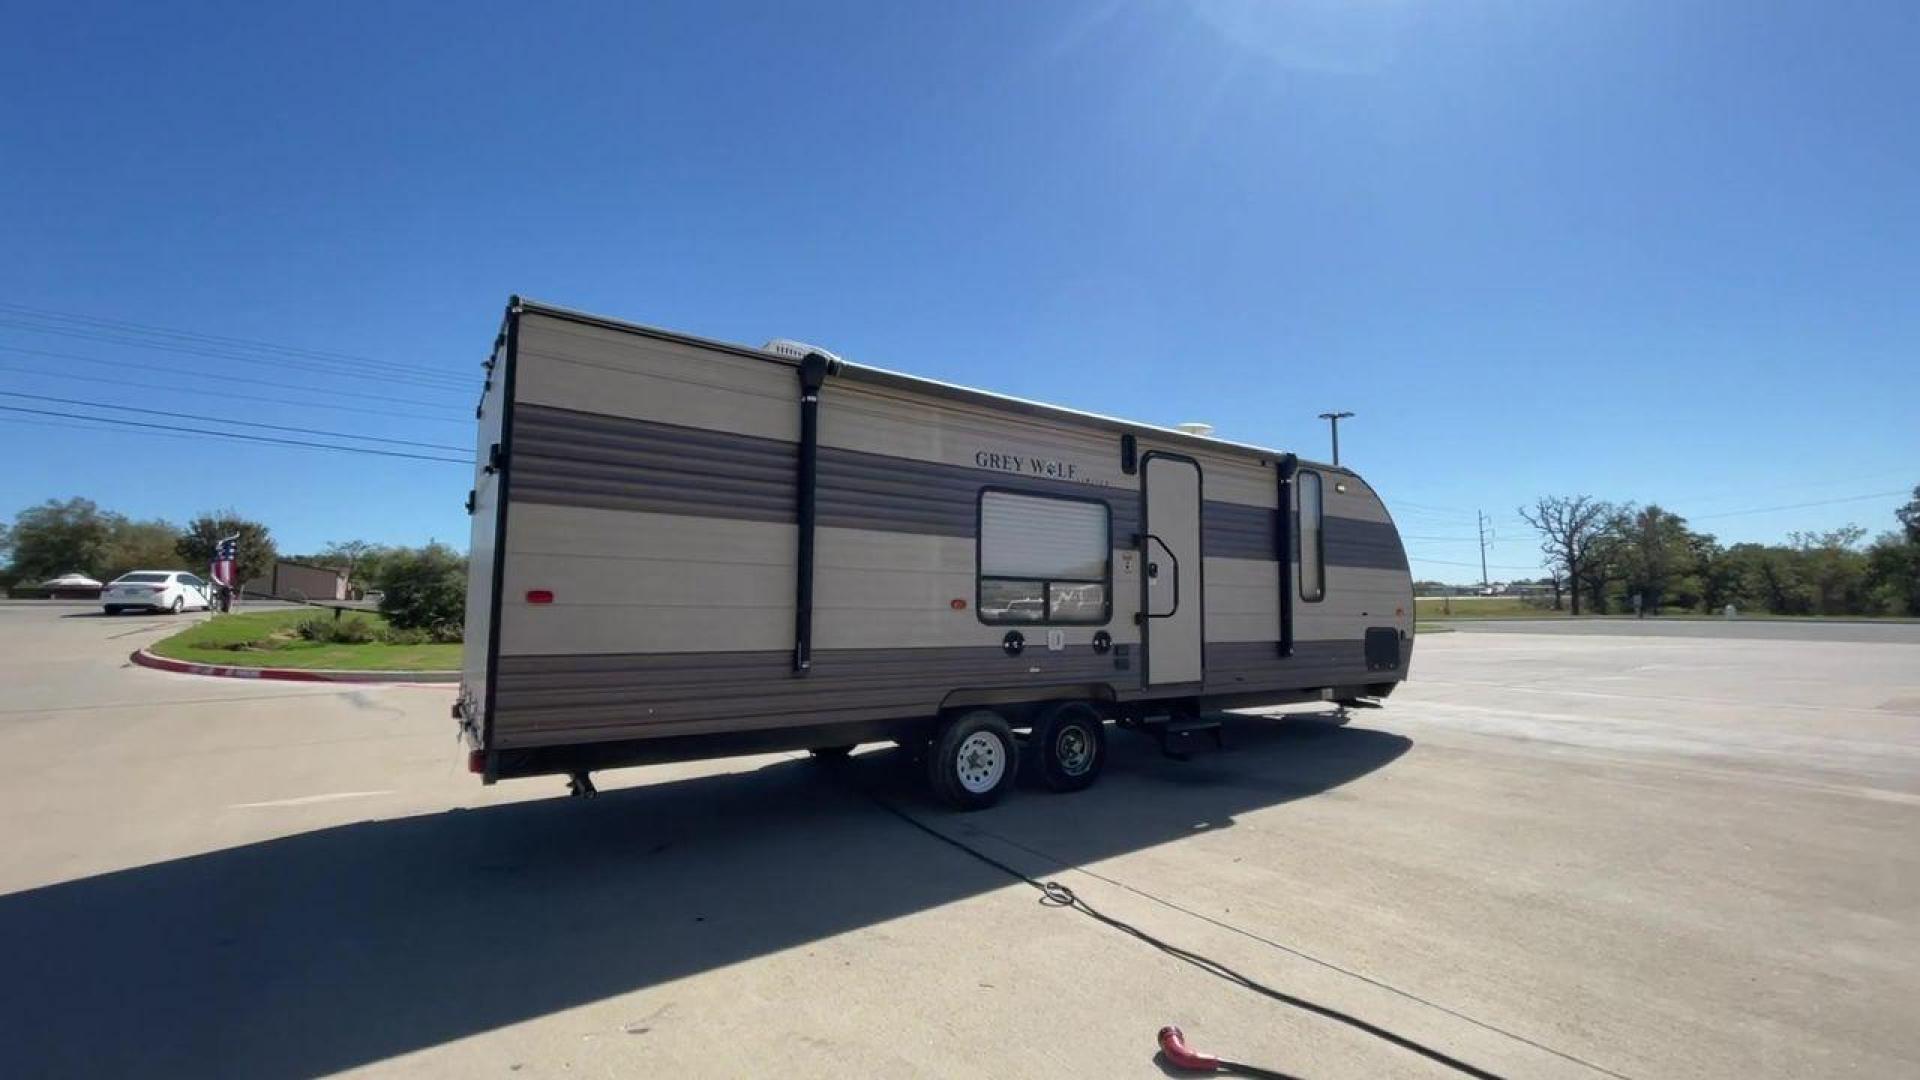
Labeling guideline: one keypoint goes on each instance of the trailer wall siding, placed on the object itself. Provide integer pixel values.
(571, 458)
(602, 698)
(482, 540)
(652, 493)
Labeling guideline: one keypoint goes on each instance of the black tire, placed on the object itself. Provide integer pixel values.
(831, 753)
(1069, 745)
(179, 605)
(973, 760)
(113, 609)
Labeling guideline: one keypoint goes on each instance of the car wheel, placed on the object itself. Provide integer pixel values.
(973, 760)
(112, 609)
(1070, 739)
(179, 605)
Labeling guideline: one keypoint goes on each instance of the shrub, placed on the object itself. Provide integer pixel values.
(341, 631)
(393, 635)
(426, 590)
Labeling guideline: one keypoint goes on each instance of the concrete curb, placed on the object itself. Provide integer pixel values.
(188, 667)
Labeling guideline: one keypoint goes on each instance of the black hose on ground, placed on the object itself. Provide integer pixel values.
(1054, 894)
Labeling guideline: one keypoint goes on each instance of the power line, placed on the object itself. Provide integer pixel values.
(223, 377)
(1472, 565)
(447, 383)
(1804, 505)
(1798, 485)
(87, 427)
(219, 340)
(228, 395)
(1431, 509)
(234, 435)
(236, 423)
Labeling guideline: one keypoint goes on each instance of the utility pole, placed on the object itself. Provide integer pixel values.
(1480, 520)
(1334, 419)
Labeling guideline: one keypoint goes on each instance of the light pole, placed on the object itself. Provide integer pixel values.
(1333, 419)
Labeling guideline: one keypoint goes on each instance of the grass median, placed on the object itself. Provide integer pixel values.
(272, 639)
(1482, 607)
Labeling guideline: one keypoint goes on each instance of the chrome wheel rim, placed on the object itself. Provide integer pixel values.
(980, 762)
(1073, 749)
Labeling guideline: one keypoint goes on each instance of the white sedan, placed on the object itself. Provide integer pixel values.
(157, 590)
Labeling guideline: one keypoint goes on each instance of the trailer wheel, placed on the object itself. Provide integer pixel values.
(1071, 740)
(973, 759)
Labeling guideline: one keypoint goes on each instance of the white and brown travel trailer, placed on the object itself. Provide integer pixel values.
(687, 549)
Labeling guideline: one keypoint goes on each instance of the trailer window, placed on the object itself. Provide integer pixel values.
(1313, 545)
(1044, 559)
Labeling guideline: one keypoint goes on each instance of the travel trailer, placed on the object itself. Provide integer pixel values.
(687, 549)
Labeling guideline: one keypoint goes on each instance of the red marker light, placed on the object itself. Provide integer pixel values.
(957, 604)
(539, 596)
(477, 762)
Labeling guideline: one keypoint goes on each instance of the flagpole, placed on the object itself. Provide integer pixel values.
(232, 564)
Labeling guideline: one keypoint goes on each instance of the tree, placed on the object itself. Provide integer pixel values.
(1835, 567)
(256, 551)
(1781, 581)
(56, 537)
(1606, 559)
(1567, 526)
(425, 589)
(1909, 516)
(1656, 554)
(1893, 574)
(346, 555)
(141, 545)
(1710, 571)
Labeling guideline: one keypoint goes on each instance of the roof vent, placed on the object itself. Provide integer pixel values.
(1196, 428)
(797, 350)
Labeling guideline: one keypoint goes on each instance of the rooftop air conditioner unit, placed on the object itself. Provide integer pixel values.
(797, 350)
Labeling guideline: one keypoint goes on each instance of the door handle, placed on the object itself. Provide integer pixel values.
(1153, 572)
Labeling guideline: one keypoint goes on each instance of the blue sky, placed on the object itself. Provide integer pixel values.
(1646, 251)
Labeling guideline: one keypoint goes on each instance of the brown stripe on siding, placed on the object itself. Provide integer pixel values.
(1373, 545)
(1236, 531)
(1240, 666)
(874, 491)
(551, 700)
(570, 458)
(542, 700)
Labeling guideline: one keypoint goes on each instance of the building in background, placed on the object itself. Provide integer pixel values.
(297, 581)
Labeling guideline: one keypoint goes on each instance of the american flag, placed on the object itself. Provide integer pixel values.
(223, 558)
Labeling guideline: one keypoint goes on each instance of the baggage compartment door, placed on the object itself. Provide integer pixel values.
(1172, 597)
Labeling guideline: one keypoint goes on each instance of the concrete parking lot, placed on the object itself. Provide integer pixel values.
(1553, 854)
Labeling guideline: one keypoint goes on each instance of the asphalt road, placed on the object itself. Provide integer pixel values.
(1834, 630)
(1552, 855)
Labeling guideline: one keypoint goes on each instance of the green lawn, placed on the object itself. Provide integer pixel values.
(1432, 609)
(268, 639)
(1481, 607)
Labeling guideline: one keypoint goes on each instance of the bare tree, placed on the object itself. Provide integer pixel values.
(349, 552)
(1567, 525)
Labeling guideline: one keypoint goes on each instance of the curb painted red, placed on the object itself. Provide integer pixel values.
(187, 667)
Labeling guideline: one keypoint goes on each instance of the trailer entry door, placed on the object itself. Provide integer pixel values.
(1173, 622)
